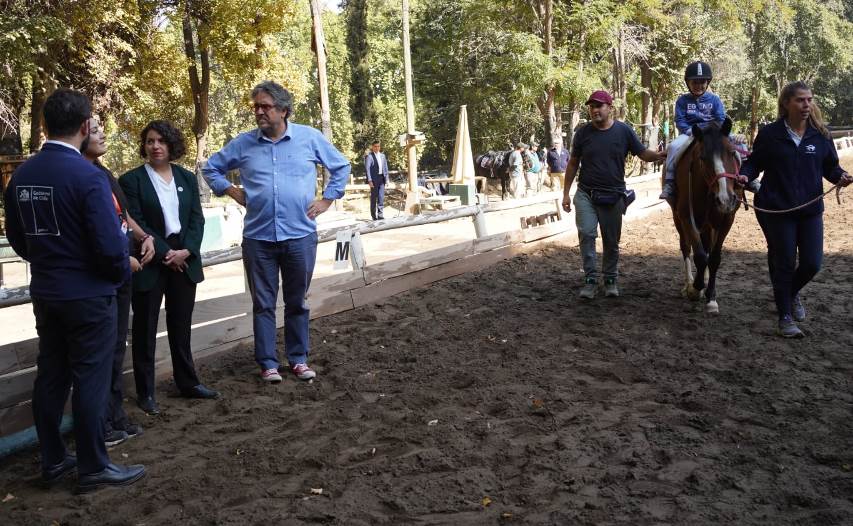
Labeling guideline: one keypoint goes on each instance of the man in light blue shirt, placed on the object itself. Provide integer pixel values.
(277, 164)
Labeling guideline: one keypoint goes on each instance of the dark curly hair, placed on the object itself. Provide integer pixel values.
(171, 135)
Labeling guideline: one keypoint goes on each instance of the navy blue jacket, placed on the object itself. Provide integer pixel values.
(60, 217)
(792, 175)
(557, 162)
(690, 110)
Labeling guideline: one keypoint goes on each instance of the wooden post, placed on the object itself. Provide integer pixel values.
(412, 198)
(319, 45)
(479, 218)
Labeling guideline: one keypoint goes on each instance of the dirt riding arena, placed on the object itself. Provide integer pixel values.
(499, 398)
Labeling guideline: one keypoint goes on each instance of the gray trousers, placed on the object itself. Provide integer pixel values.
(589, 218)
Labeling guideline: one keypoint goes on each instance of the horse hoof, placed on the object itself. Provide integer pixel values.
(712, 308)
(693, 294)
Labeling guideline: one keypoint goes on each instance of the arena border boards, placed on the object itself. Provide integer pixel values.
(224, 324)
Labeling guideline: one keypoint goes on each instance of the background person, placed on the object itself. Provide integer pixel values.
(795, 153)
(558, 159)
(61, 219)
(376, 166)
(163, 198)
(534, 170)
(517, 171)
(599, 149)
(117, 425)
(277, 163)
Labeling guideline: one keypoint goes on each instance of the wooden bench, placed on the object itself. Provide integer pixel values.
(441, 202)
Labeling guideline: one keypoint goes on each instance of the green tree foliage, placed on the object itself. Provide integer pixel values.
(523, 67)
(474, 52)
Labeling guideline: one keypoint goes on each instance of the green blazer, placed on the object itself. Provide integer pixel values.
(144, 207)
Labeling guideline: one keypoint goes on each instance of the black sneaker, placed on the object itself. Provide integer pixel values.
(115, 437)
(133, 430)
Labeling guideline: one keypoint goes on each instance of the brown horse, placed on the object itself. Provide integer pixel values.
(709, 195)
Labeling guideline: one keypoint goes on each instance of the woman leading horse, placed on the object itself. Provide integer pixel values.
(795, 153)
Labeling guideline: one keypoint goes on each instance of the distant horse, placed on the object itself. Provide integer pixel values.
(494, 165)
(709, 195)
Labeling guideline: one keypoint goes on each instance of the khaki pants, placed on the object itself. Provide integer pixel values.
(556, 180)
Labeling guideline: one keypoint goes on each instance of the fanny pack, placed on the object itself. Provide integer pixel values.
(611, 197)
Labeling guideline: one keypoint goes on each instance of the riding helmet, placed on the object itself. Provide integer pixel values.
(698, 71)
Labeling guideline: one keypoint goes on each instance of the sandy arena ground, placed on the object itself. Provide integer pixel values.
(500, 398)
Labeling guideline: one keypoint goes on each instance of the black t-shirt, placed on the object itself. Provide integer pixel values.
(602, 154)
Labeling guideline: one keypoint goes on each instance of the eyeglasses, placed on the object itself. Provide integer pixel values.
(263, 107)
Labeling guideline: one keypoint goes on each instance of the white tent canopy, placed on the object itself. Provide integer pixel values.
(462, 168)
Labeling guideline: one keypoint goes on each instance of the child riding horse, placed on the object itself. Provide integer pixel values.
(710, 193)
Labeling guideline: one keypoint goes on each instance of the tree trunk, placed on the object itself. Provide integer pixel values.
(200, 87)
(620, 87)
(318, 42)
(753, 113)
(361, 99)
(40, 93)
(645, 110)
(551, 117)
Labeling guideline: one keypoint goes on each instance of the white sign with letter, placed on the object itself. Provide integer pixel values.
(348, 248)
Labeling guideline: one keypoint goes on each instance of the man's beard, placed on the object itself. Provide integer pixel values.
(85, 144)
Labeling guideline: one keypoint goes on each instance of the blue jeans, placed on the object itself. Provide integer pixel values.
(589, 218)
(264, 261)
(794, 253)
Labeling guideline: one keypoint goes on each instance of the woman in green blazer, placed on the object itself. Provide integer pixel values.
(163, 198)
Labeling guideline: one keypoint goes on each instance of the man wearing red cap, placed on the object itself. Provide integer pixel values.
(599, 149)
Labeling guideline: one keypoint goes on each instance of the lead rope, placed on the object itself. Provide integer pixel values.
(835, 187)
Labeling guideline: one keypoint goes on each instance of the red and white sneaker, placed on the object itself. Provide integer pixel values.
(302, 371)
(271, 376)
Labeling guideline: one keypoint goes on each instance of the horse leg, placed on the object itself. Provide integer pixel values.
(684, 244)
(700, 257)
(719, 236)
(711, 305)
(692, 240)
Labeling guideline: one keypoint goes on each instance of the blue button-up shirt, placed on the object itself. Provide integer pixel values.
(279, 178)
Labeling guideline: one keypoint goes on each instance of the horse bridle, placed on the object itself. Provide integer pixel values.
(736, 177)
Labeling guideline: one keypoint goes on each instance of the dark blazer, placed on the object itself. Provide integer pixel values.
(378, 173)
(60, 217)
(145, 209)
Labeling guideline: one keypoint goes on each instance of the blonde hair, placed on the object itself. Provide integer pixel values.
(815, 116)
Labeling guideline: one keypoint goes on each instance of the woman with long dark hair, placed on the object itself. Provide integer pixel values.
(117, 426)
(795, 153)
(163, 198)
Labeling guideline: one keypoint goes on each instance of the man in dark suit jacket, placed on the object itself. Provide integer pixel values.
(60, 216)
(376, 166)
